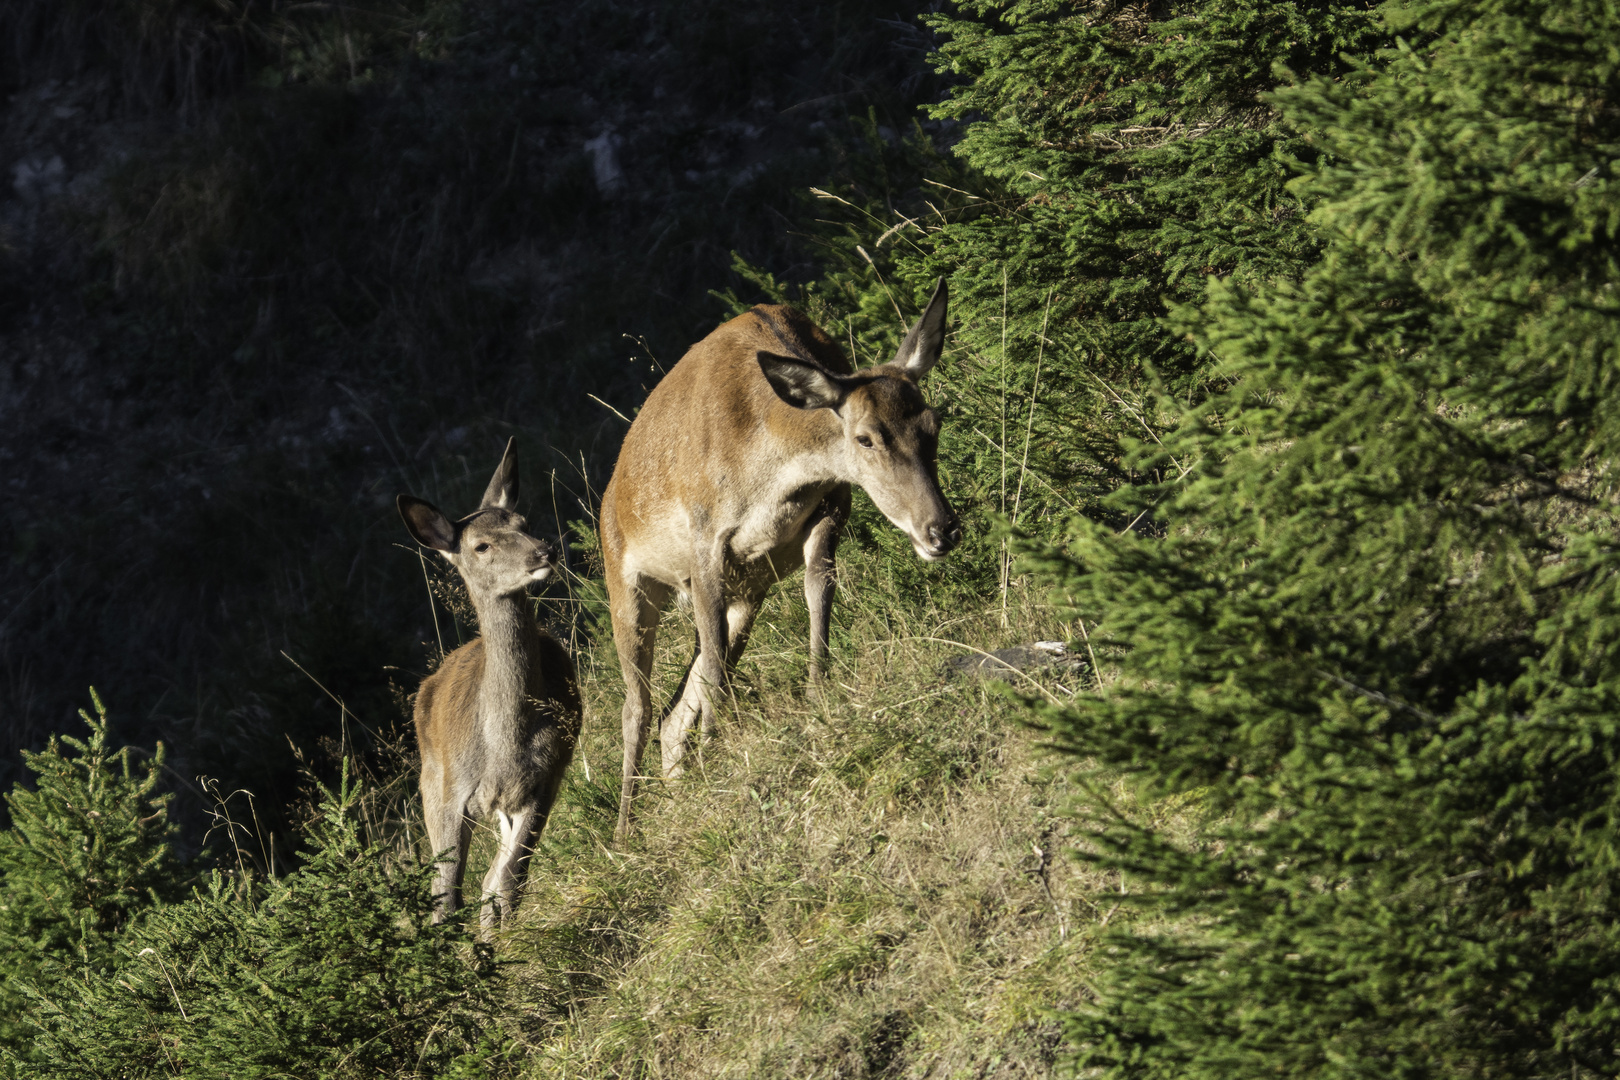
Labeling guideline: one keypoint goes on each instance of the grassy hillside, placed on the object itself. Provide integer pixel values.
(874, 884)
(870, 885)
(1282, 349)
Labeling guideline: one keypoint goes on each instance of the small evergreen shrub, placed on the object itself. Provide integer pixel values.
(332, 971)
(88, 850)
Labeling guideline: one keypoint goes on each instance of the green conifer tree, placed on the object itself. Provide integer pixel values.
(1378, 643)
(88, 850)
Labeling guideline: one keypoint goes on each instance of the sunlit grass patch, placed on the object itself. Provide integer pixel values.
(866, 884)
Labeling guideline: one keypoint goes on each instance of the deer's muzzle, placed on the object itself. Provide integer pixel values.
(542, 560)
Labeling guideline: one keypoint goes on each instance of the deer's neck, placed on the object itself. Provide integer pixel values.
(511, 643)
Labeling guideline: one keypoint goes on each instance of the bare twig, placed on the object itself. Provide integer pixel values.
(609, 408)
(1374, 695)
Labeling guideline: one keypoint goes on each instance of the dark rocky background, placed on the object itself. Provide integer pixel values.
(264, 266)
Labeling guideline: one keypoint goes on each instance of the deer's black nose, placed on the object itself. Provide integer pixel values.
(946, 538)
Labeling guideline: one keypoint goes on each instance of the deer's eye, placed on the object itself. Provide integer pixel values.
(481, 548)
(864, 441)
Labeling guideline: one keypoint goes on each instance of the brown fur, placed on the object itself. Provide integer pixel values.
(736, 472)
(497, 723)
(447, 703)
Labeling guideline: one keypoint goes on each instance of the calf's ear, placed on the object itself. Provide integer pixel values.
(427, 523)
(503, 486)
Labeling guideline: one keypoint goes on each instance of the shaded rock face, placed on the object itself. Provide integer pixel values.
(234, 322)
(60, 137)
(36, 178)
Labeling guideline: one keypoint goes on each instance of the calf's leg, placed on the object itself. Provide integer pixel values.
(508, 868)
(449, 835)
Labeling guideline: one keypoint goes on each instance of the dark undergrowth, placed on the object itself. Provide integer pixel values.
(265, 266)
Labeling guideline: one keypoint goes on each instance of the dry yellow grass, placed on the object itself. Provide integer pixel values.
(876, 884)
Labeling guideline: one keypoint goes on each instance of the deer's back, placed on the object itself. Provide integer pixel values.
(713, 431)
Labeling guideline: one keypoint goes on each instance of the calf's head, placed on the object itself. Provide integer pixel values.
(890, 444)
(491, 547)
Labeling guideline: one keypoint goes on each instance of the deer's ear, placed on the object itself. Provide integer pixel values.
(427, 524)
(503, 486)
(802, 385)
(921, 350)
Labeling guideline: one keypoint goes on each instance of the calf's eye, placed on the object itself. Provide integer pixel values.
(481, 548)
(864, 441)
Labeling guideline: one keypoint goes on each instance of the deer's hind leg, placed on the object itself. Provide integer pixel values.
(637, 605)
(740, 615)
(708, 673)
(689, 702)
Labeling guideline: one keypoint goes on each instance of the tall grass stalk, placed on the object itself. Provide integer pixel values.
(1029, 425)
(1006, 552)
(433, 607)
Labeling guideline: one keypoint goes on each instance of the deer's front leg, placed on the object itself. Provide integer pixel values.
(821, 579)
(708, 672)
(507, 869)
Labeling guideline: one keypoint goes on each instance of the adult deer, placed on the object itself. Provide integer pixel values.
(497, 722)
(736, 472)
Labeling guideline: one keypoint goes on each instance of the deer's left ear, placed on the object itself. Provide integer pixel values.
(502, 492)
(427, 523)
(802, 385)
(921, 350)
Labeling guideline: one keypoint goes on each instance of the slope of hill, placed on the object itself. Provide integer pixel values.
(874, 884)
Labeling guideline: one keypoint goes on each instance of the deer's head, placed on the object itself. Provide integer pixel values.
(890, 444)
(490, 548)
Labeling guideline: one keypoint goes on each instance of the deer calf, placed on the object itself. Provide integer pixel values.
(737, 471)
(496, 724)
